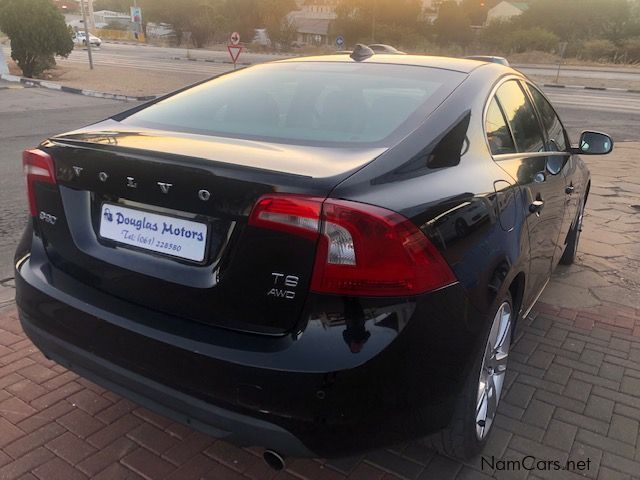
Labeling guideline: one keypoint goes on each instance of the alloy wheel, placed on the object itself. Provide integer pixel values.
(579, 225)
(492, 373)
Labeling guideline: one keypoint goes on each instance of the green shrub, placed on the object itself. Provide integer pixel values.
(399, 37)
(494, 34)
(530, 39)
(598, 50)
(631, 48)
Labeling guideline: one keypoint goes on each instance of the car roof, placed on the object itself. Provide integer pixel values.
(445, 63)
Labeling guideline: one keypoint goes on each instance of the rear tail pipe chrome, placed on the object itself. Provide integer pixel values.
(274, 460)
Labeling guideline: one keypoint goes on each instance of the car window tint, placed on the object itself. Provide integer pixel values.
(309, 103)
(552, 124)
(498, 133)
(521, 117)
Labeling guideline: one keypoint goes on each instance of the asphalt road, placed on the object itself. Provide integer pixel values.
(631, 74)
(30, 115)
(616, 113)
(147, 57)
(158, 58)
(27, 116)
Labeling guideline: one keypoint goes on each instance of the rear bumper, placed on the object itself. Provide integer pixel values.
(358, 374)
(205, 417)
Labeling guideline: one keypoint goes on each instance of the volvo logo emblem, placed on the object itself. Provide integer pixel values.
(103, 176)
(131, 182)
(77, 170)
(164, 187)
(204, 195)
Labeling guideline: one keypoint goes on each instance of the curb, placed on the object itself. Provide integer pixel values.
(7, 286)
(206, 60)
(125, 42)
(30, 82)
(600, 89)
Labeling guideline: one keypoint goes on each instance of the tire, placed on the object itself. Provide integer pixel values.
(570, 251)
(466, 436)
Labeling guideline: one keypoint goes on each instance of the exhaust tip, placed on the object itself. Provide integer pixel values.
(274, 460)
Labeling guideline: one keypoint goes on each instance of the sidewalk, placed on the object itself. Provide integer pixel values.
(573, 393)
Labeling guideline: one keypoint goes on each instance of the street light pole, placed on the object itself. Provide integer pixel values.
(87, 39)
(92, 18)
(373, 22)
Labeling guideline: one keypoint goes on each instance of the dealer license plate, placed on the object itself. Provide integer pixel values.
(157, 233)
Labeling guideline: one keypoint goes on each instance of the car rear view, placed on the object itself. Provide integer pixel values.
(189, 254)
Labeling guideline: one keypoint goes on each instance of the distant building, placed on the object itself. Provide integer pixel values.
(313, 20)
(105, 17)
(506, 10)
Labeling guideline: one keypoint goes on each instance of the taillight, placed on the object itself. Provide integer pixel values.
(38, 167)
(362, 250)
(369, 251)
(288, 213)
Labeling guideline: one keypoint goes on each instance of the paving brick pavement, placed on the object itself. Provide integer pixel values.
(573, 393)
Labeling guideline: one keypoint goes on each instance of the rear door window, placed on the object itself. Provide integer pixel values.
(498, 132)
(551, 122)
(521, 117)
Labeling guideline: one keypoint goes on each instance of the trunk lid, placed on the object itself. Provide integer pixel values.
(159, 177)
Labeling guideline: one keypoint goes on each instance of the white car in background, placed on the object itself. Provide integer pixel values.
(79, 38)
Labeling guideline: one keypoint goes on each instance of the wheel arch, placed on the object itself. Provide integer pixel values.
(516, 288)
(586, 192)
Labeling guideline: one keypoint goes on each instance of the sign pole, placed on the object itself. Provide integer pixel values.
(563, 48)
(87, 38)
(234, 48)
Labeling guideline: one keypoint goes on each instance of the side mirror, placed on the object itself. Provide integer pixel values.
(594, 143)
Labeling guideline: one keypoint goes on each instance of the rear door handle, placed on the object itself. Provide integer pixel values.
(569, 190)
(536, 206)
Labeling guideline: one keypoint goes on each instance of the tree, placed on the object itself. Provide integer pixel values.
(575, 20)
(200, 18)
(37, 31)
(244, 16)
(476, 10)
(282, 33)
(535, 38)
(377, 21)
(452, 25)
(206, 22)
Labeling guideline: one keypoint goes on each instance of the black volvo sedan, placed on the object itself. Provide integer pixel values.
(318, 256)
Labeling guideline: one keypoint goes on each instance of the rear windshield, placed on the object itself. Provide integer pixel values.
(308, 103)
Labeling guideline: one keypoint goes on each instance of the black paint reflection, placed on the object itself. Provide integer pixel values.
(362, 325)
(355, 335)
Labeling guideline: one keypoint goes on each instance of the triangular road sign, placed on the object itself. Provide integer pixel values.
(234, 52)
